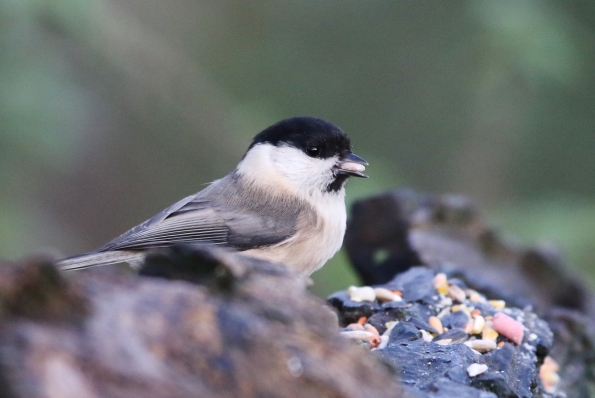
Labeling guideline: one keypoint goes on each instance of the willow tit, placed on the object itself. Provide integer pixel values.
(284, 202)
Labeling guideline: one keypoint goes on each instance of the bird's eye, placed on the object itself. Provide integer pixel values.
(312, 151)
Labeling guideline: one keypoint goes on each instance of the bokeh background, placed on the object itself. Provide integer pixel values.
(111, 110)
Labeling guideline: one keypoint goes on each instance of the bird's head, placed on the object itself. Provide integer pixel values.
(306, 155)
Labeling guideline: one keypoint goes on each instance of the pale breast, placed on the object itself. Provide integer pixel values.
(318, 239)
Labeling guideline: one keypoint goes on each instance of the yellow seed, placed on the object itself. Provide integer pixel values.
(389, 327)
(469, 326)
(384, 295)
(444, 341)
(359, 294)
(441, 283)
(436, 323)
(478, 324)
(548, 374)
(481, 345)
(500, 304)
(489, 334)
(427, 337)
(456, 293)
(440, 279)
(476, 369)
(550, 365)
(443, 313)
(550, 380)
(390, 324)
(474, 296)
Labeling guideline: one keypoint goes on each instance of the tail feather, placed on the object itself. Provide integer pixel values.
(96, 259)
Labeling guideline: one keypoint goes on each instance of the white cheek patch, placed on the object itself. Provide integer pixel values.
(351, 166)
(288, 168)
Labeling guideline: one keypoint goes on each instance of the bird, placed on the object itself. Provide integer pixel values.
(284, 203)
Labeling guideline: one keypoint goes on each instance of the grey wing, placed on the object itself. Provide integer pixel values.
(205, 219)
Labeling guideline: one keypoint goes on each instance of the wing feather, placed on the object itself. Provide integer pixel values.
(226, 213)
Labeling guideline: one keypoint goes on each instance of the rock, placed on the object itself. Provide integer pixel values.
(457, 319)
(438, 368)
(213, 324)
(397, 230)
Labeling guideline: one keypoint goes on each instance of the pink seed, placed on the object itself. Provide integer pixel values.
(508, 327)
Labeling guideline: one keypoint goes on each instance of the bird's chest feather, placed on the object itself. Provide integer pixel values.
(328, 238)
(318, 238)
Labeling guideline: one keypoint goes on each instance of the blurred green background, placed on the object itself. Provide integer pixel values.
(112, 110)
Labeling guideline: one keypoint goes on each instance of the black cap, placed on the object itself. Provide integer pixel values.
(315, 137)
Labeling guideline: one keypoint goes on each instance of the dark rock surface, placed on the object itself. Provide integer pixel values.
(429, 369)
(394, 231)
(240, 328)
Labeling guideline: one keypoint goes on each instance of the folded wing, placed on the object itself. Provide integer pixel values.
(221, 214)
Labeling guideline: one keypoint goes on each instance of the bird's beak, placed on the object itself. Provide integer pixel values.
(351, 165)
